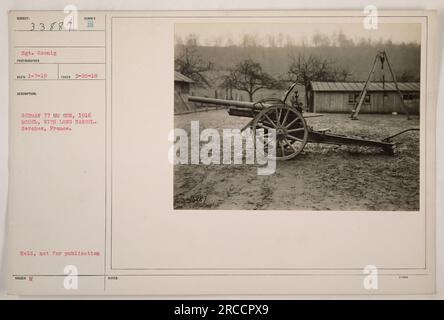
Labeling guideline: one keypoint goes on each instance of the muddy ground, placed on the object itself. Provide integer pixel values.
(322, 177)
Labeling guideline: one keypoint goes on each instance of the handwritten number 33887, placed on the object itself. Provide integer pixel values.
(55, 26)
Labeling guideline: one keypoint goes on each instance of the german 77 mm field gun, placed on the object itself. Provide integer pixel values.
(292, 131)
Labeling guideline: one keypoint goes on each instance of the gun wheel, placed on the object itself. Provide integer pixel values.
(289, 125)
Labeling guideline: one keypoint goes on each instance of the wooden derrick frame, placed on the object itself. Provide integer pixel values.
(382, 58)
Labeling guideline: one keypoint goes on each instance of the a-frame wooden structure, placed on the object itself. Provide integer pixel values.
(382, 58)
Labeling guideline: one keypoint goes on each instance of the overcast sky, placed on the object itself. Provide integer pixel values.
(212, 34)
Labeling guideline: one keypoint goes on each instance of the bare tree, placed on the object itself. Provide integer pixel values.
(341, 74)
(343, 41)
(192, 40)
(304, 69)
(289, 41)
(249, 40)
(193, 66)
(407, 76)
(227, 85)
(271, 40)
(178, 40)
(321, 40)
(248, 76)
(280, 39)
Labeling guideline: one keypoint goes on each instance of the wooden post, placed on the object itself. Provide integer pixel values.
(383, 82)
(357, 107)
(397, 87)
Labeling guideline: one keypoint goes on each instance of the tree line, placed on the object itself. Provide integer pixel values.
(246, 72)
(248, 75)
(280, 40)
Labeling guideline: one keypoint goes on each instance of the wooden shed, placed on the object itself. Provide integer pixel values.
(182, 83)
(182, 86)
(341, 97)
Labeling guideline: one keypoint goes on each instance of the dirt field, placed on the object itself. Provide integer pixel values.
(322, 177)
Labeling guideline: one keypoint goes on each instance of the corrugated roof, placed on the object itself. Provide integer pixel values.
(357, 86)
(181, 78)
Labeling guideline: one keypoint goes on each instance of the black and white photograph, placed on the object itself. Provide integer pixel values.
(334, 108)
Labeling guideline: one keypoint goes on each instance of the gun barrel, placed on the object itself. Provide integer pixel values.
(222, 102)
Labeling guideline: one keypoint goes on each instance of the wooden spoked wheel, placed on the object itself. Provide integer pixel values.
(290, 128)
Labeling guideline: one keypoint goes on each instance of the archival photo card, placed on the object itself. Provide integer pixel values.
(214, 153)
